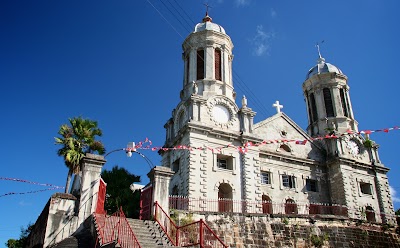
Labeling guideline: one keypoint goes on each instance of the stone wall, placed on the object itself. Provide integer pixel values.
(282, 231)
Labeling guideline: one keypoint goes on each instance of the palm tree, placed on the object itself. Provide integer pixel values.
(76, 140)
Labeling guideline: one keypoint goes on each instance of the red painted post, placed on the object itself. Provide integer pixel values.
(201, 234)
(155, 210)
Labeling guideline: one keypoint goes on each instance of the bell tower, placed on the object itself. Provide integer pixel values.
(207, 55)
(326, 93)
(206, 119)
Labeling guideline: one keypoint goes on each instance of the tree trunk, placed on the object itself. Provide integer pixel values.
(68, 181)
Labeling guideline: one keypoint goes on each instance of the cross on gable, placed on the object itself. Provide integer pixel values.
(277, 106)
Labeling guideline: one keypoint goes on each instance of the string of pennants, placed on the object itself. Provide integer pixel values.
(51, 186)
(30, 182)
(29, 192)
(147, 144)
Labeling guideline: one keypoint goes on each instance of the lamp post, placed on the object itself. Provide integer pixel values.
(129, 151)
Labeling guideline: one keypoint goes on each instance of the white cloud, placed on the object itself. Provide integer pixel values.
(242, 2)
(393, 192)
(273, 13)
(261, 41)
(23, 203)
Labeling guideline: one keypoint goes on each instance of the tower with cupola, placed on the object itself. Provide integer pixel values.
(356, 176)
(207, 119)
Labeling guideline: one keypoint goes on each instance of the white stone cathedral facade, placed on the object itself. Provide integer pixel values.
(345, 171)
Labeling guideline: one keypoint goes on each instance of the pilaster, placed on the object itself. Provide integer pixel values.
(91, 170)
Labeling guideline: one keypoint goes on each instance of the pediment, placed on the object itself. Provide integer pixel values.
(282, 133)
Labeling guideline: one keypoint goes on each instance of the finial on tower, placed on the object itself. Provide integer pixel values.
(207, 18)
(320, 58)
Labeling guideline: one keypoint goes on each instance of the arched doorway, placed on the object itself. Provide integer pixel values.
(225, 198)
(266, 204)
(290, 207)
(370, 214)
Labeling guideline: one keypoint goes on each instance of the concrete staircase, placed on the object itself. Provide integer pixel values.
(149, 234)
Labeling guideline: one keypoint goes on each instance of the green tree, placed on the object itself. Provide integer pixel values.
(119, 193)
(76, 140)
(398, 211)
(23, 238)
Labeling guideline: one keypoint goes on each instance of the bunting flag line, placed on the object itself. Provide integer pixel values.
(29, 192)
(30, 182)
(243, 149)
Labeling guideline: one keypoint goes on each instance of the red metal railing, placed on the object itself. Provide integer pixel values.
(146, 200)
(259, 207)
(193, 234)
(115, 228)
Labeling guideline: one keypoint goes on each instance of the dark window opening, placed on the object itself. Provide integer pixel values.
(365, 188)
(314, 116)
(200, 64)
(328, 102)
(286, 148)
(288, 181)
(224, 162)
(370, 214)
(344, 103)
(217, 68)
(311, 185)
(265, 178)
(176, 166)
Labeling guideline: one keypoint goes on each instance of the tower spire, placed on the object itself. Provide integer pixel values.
(320, 58)
(207, 18)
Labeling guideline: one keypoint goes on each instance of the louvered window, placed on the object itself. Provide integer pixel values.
(328, 102)
(314, 114)
(200, 64)
(218, 73)
(344, 103)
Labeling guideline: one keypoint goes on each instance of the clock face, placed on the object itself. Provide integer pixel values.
(221, 113)
(353, 147)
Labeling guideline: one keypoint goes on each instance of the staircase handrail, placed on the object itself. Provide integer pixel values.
(162, 225)
(201, 223)
(126, 229)
(122, 232)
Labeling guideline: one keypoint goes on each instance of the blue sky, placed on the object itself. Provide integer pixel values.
(119, 62)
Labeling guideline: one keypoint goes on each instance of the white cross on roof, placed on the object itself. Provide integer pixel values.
(277, 106)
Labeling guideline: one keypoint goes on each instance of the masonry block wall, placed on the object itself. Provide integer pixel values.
(260, 232)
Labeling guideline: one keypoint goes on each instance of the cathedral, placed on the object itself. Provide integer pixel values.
(273, 161)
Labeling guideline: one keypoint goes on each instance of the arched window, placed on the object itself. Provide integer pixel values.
(266, 204)
(370, 214)
(200, 64)
(217, 66)
(328, 102)
(181, 120)
(290, 207)
(225, 198)
(344, 103)
(314, 114)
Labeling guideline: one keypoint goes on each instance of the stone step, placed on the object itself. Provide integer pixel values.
(149, 233)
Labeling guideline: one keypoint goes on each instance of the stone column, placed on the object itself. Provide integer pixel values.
(160, 178)
(91, 170)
